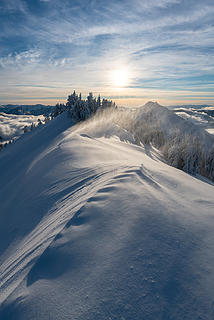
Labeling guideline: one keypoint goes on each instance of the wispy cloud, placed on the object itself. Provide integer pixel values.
(48, 45)
(21, 59)
(13, 6)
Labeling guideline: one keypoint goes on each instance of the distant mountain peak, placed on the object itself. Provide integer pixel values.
(152, 103)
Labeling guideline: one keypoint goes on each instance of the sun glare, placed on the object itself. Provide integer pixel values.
(120, 78)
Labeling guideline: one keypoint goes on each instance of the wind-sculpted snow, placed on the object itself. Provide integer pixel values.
(95, 227)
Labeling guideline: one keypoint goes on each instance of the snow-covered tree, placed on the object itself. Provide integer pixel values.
(80, 109)
(98, 102)
(60, 107)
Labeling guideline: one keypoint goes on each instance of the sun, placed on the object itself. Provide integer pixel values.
(120, 77)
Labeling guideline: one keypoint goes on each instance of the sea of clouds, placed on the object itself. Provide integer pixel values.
(12, 126)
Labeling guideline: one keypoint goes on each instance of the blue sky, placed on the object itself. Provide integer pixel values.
(163, 48)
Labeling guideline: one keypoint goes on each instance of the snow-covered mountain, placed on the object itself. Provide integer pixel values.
(95, 226)
(183, 144)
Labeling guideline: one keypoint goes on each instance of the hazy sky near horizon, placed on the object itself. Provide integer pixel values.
(130, 51)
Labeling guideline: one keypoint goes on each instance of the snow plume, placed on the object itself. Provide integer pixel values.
(108, 123)
(183, 144)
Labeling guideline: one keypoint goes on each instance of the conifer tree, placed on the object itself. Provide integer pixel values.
(80, 109)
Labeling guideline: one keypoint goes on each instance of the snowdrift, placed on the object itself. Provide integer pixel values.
(94, 226)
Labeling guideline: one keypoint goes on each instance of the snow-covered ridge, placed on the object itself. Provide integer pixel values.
(93, 225)
(183, 144)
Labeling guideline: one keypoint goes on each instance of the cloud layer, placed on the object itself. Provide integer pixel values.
(12, 126)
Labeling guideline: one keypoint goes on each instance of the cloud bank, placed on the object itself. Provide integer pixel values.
(11, 126)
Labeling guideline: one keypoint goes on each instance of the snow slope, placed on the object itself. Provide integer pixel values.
(95, 227)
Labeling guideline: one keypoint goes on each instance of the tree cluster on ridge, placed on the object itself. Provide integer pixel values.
(81, 109)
